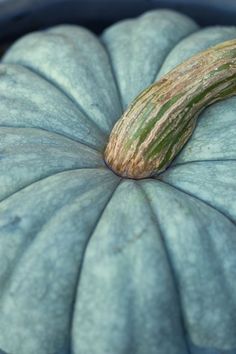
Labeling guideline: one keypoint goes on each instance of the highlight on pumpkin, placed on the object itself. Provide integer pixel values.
(162, 118)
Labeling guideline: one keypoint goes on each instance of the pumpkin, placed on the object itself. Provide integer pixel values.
(90, 262)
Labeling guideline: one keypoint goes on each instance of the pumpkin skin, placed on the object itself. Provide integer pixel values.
(90, 262)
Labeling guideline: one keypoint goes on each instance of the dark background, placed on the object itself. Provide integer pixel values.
(20, 16)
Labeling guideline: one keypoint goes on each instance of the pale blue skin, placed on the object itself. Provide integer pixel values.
(90, 263)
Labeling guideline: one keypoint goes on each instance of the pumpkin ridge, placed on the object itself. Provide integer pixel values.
(197, 36)
(55, 133)
(191, 265)
(171, 266)
(77, 281)
(163, 20)
(153, 80)
(37, 231)
(55, 85)
(199, 199)
(75, 202)
(73, 43)
(113, 72)
(156, 77)
(52, 175)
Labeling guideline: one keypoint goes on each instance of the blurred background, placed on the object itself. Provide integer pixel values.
(21, 16)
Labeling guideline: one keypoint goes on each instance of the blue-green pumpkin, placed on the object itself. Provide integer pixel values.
(92, 263)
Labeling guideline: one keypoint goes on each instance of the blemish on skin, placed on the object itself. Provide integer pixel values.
(16, 219)
(9, 221)
(136, 237)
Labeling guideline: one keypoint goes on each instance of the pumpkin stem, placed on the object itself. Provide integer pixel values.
(160, 121)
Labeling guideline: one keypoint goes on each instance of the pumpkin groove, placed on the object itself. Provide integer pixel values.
(54, 84)
(176, 285)
(201, 200)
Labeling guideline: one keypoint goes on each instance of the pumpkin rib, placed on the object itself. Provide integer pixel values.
(19, 257)
(154, 76)
(55, 85)
(112, 71)
(55, 133)
(38, 230)
(199, 199)
(82, 262)
(157, 74)
(202, 161)
(218, 33)
(172, 271)
(27, 155)
(37, 253)
(70, 40)
(199, 259)
(35, 102)
(163, 23)
(52, 175)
